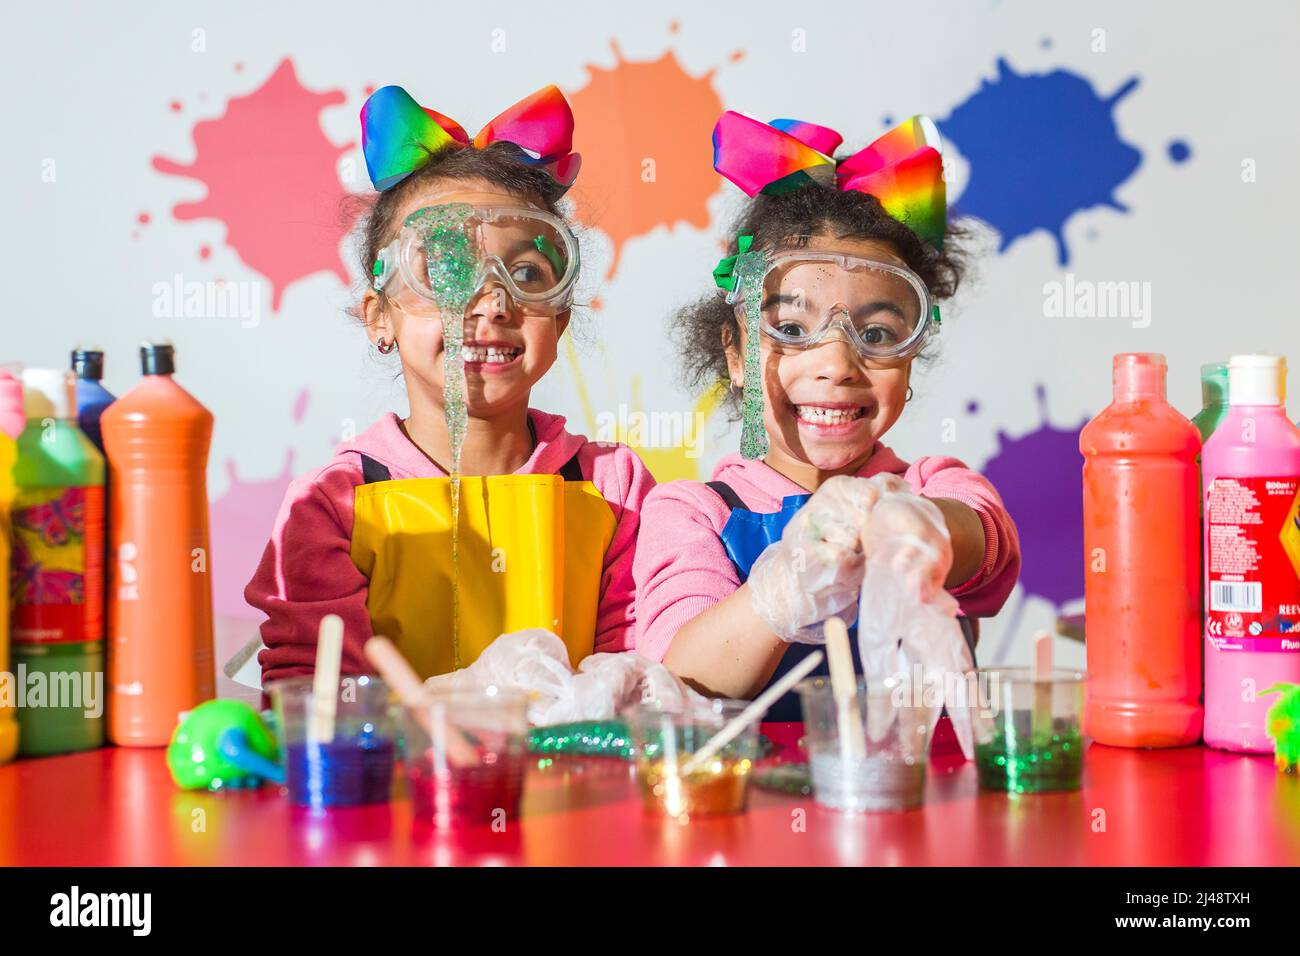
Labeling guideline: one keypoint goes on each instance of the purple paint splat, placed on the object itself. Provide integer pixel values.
(1041, 148)
(1040, 478)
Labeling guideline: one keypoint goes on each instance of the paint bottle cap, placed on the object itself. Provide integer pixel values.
(1257, 380)
(49, 393)
(157, 358)
(13, 419)
(88, 363)
(1138, 375)
(1214, 383)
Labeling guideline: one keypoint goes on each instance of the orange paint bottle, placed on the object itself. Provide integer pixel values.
(156, 439)
(1141, 533)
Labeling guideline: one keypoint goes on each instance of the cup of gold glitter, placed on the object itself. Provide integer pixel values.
(1028, 736)
(674, 784)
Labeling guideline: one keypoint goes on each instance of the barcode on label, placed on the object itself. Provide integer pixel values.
(1227, 596)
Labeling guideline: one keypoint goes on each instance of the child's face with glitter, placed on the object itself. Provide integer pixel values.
(825, 406)
(506, 350)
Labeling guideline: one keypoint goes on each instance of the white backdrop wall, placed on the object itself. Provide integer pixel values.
(164, 147)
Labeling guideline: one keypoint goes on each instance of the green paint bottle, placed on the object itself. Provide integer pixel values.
(58, 575)
(1214, 399)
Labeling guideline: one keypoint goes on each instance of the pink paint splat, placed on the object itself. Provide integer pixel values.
(143, 219)
(205, 252)
(241, 523)
(175, 106)
(272, 179)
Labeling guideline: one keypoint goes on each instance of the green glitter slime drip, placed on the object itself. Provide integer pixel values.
(1023, 763)
(750, 268)
(452, 260)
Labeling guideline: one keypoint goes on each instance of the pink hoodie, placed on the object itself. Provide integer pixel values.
(307, 571)
(682, 569)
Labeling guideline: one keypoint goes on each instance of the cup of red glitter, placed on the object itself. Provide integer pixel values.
(465, 754)
(343, 762)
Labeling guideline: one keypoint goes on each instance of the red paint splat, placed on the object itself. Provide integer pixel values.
(205, 252)
(370, 88)
(621, 123)
(735, 56)
(272, 179)
(143, 219)
(174, 106)
(300, 406)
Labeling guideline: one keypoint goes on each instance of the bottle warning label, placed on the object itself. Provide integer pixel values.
(1254, 592)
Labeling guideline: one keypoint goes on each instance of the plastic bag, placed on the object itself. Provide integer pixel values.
(537, 662)
(907, 625)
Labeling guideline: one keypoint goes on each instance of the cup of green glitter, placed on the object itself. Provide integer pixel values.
(1028, 733)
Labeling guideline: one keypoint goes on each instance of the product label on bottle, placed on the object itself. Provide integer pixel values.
(57, 572)
(1253, 602)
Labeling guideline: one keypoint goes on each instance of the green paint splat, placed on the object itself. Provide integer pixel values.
(750, 268)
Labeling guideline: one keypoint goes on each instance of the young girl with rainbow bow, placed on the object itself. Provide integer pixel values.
(475, 515)
(826, 300)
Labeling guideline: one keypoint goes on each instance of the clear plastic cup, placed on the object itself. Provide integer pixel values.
(466, 753)
(665, 742)
(879, 764)
(356, 766)
(1028, 734)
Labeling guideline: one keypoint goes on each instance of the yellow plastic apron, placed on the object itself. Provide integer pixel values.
(531, 550)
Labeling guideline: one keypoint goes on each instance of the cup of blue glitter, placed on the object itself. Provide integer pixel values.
(343, 762)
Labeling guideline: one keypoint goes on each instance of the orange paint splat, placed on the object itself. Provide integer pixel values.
(272, 179)
(639, 121)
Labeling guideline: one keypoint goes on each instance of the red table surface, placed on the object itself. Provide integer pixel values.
(1191, 806)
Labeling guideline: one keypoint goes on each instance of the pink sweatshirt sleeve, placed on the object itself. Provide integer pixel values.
(307, 572)
(622, 478)
(986, 591)
(681, 566)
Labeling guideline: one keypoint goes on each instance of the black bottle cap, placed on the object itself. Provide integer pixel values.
(157, 358)
(88, 364)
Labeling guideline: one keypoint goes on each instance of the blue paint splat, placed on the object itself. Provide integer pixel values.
(1041, 148)
(1045, 43)
(1179, 151)
(888, 121)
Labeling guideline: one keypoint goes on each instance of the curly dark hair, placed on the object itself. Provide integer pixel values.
(807, 211)
(498, 163)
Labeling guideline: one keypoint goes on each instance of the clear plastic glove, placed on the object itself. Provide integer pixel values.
(537, 662)
(911, 531)
(815, 570)
(907, 622)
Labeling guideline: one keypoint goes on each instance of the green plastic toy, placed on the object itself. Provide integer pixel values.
(1283, 725)
(222, 744)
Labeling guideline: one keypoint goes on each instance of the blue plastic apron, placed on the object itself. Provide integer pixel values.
(746, 535)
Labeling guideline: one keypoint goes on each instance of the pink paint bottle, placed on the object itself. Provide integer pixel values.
(1250, 473)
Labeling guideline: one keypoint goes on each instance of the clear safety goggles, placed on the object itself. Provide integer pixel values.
(884, 310)
(446, 255)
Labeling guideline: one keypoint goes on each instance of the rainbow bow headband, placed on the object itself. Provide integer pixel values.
(398, 135)
(903, 169)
